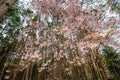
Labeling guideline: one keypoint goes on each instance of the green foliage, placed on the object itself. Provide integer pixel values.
(9, 29)
(95, 10)
(114, 6)
(13, 21)
(112, 59)
(50, 24)
(27, 11)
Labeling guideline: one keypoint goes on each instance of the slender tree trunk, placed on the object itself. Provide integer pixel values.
(5, 5)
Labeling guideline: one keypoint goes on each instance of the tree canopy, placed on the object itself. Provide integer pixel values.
(60, 40)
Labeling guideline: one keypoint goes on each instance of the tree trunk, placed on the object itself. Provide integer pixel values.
(5, 5)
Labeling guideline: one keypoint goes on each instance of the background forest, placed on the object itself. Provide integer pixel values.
(59, 40)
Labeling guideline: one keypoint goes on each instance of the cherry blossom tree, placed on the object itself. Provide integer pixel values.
(63, 40)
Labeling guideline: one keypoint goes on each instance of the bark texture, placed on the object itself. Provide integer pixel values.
(5, 5)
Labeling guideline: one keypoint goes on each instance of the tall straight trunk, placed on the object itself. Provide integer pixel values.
(5, 5)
